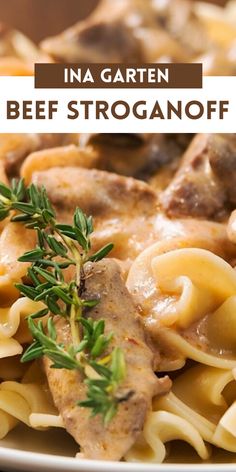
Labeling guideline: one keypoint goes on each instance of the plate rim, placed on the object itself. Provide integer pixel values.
(23, 460)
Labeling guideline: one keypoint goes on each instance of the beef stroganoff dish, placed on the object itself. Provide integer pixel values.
(118, 256)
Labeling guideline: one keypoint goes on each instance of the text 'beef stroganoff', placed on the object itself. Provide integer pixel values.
(117, 256)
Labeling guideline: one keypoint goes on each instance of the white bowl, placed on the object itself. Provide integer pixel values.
(35, 451)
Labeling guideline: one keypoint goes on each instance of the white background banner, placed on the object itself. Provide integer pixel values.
(215, 89)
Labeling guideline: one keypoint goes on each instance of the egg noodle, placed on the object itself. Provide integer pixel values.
(178, 267)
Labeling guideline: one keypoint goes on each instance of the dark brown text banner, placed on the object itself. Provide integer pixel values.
(118, 76)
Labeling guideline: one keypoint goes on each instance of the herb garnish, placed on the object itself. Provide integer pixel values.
(58, 247)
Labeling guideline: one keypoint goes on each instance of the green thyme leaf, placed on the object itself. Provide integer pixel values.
(5, 191)
(33, 352)
(31, 256)
(39, 314)
(90, 303)
(3, 214)
(101, 253)
(26, 290)
(58, 247)
(118, 367)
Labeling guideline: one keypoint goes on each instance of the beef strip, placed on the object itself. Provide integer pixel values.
(201, 187)
(132, 31)
(172, 148)
(97, 441)
(125, 212)
(124, 209)
(95, 42)
(136, 155)
(125, 154)
(106, 36)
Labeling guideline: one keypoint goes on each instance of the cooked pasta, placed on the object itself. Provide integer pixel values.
(13, 326)
(57, 157)
(185, 292)
(186, 296)
(14, 241)
(7, 423)
(129, 256)
(27, 403)
(198, 409)
(161, 427)
(27, 400)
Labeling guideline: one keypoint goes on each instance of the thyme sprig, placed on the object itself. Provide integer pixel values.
(58, 247)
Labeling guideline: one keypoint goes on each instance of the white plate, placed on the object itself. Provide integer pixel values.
(53, 451)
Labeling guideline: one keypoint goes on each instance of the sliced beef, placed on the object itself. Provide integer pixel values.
(202, 187)
(106, 36)
(132, 31)
(137, 155)
(97, 441)
(102, 41)
(126, 212)
(124, 209)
